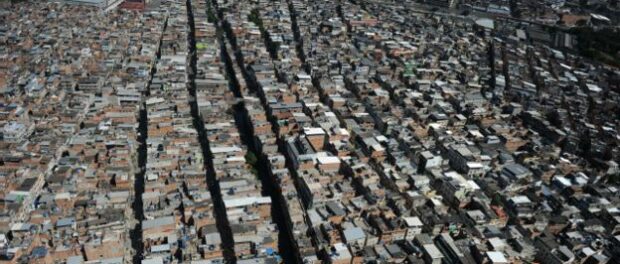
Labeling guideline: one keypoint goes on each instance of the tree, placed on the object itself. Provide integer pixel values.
(250, 158)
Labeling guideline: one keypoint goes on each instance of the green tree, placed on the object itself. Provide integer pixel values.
(250, 158)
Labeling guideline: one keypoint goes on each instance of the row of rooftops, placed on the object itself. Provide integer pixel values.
(427, 130)
(236, 167)
(407, 137)
(176, 202)
(562, 13)
(266, 119)
(69, 78)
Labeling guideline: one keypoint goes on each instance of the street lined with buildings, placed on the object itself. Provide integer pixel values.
(293, 131)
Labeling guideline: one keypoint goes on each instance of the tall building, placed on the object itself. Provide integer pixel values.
(134, 4)
(442, 3)
(103, 4)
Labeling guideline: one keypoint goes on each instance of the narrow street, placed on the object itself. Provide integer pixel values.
(137, 242)
(270, 187)
(214, 188)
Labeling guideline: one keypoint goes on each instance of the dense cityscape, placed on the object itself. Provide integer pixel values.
(309, 131)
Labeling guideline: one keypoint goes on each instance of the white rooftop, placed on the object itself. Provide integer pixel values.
(245, 201)
(313, 131)
(496, 257)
